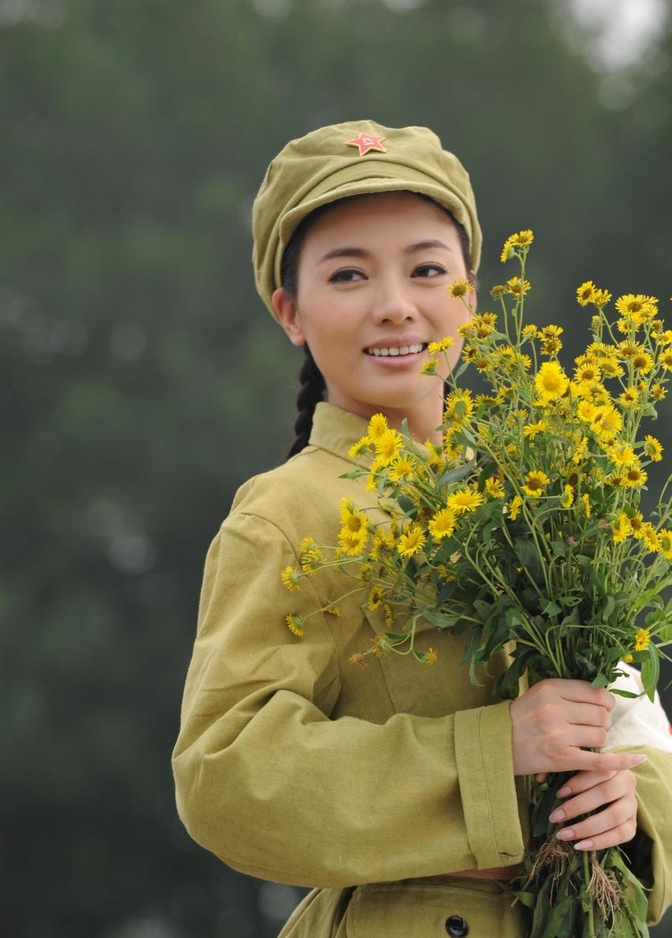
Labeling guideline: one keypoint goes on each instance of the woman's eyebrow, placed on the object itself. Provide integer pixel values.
(362, 252)
(424, 245)
(345, 252)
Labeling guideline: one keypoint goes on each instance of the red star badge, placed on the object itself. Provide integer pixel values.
(366, 142)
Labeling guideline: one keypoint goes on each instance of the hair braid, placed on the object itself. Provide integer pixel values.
(310, 394)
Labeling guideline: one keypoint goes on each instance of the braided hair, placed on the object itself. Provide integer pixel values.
(313, 388)
(310, 394)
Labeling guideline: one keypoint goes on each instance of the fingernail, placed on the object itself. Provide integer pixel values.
(584, 845)
(639, 759)
(565, 834)
(564, 791)
(558, 815)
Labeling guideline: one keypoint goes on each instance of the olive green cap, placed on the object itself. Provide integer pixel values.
(353, 158)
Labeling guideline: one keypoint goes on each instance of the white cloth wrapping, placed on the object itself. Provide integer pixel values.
(638, 721)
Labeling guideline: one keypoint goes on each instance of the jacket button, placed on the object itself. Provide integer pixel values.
(456, 926)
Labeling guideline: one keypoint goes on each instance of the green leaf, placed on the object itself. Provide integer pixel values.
(442, 620)
(560, 921)
(650, 671)
(454, 475)
(526, 551)
(609, 606)
(602, 681)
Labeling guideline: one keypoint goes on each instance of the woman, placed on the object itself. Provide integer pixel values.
(398, 792)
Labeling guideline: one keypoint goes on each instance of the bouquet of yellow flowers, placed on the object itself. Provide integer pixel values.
(524, 526)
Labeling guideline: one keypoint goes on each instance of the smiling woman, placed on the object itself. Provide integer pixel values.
(371, 295)
(399, 793)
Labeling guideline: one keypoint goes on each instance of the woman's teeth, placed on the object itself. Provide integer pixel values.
(395, 350)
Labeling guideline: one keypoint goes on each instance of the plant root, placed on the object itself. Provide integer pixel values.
(555, 854)
(605, 889)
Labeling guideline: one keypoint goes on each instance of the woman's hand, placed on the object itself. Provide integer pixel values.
(556, 722)
(614, 792)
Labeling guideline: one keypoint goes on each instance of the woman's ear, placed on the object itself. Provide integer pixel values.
(473, 299)
(288, 316)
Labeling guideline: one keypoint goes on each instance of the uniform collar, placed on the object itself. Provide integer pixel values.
(337, 430)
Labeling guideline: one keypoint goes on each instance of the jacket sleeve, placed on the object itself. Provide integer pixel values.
(278, 789)
(640, 725)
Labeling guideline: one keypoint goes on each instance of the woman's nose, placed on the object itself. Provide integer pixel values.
(393, 302)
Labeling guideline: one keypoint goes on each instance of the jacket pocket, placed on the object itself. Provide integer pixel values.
(477, 909)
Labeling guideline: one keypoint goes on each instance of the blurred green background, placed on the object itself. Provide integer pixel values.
(143, 381)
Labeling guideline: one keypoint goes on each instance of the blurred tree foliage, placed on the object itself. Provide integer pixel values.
(143, 380)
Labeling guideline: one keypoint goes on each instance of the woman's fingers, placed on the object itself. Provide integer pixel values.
(553, 719)
(620, 834)
(607, 761)
(607, 788)
(582, 781)
(616, 823)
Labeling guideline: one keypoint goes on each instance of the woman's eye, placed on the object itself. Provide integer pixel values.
(347, 275)
(429, 270)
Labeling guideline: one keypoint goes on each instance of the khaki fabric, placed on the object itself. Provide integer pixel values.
(403, 910)
(348, 159)
(294, 765)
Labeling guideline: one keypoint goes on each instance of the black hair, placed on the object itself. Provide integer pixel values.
(313, 388)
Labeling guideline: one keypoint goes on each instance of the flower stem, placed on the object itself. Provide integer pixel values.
(586, 879)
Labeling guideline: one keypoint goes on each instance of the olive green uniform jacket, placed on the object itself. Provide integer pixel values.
(294, 765)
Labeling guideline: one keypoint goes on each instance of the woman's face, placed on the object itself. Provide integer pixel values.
(372, 293)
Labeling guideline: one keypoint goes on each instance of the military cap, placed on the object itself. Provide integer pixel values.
(353, 158)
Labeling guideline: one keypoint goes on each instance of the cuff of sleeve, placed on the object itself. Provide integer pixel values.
(487, 785)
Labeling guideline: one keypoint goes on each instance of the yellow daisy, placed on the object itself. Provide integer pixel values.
(600, 298)
(634, 477)
(653, 448)
(649, 536)
(402, 468)
(360, 447)
(290, 577)
(375, 597)
(642, 362)
(464, 500)
(622, 454)
(568, 497)
(459, 288)
(377, 426)
(459, 406)
(429, 366)
(642, 639)
(434, 348)
(621, 527)
(517, 287)
(530, 430)
(295, 624)
(551, 381)
(516, 505)
(411, 541)
(535, 483)
(584, 293)
(494, 487)
(665, 544)
(387, 446)
(443, 523)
